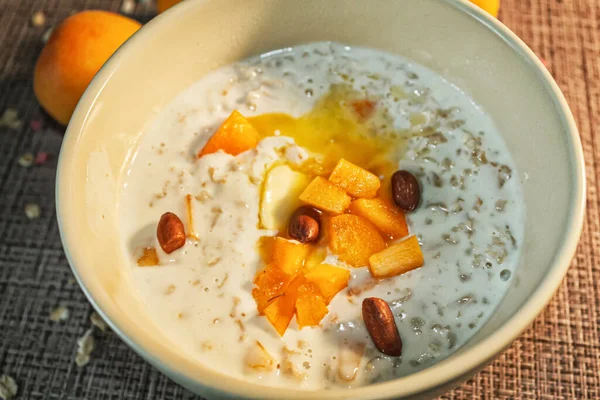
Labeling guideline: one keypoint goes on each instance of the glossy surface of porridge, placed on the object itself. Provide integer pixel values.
(313, 105)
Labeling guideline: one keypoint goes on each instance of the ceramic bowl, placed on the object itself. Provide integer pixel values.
(455, 39)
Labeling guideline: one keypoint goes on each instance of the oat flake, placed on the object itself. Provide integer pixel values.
(32, 211)
(8, 387)
(38, 19)
(127, 6)
(97, 321)
(85, 346)
(10, 119)
(26, 160)
(60, 313)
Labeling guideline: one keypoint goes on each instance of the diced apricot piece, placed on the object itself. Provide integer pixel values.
(353, 239)
(265, 248)
(149, 258)
(385, 216)
(325, 196)
(310, 305)
(289, 255)
(355, 180)
(270, 283)
(329, 279)
(397, 259)
(281, 310)
(234, 136)
(279, 313)
(316, 256)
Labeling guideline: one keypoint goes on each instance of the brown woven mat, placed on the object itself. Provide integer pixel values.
(556, 358)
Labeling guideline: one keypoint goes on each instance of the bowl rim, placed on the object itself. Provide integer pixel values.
(447, 370)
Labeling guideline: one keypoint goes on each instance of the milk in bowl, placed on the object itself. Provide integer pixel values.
(321, 216)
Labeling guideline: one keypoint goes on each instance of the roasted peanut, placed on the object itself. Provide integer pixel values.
(381, 325)
(405, 190)
(170, 232)
(305, 224)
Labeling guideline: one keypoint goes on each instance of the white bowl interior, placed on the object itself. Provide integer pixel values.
(180, 46)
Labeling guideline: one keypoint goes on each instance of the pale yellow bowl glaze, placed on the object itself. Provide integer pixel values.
(456, 39)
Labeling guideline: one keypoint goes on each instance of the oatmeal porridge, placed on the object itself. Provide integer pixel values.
(321, 216)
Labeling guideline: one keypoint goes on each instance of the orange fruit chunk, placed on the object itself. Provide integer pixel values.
(278, 296)
(310, 305)
(289, 255)
(353, 239)
(270, 283)
(325, 196)
(329, 279)
(234, 136)
(397, 259)
(317, 255)
(355, 180)
(281, 311)
(265, 248)
(385, 216)
(149, 258)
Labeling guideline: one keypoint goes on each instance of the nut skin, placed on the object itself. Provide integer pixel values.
(381, 325)
(406, 190)
(170, 232)
(305, 224)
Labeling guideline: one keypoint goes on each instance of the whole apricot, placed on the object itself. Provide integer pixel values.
(163, 5)
(491, 6)
(75, 52)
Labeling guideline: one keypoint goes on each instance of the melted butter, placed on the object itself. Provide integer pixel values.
(337, 127)
(332, 130)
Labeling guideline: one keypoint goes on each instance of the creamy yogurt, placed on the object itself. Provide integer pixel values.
(470, 223)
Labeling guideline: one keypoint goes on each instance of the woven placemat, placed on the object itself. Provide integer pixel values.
(558, 357)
